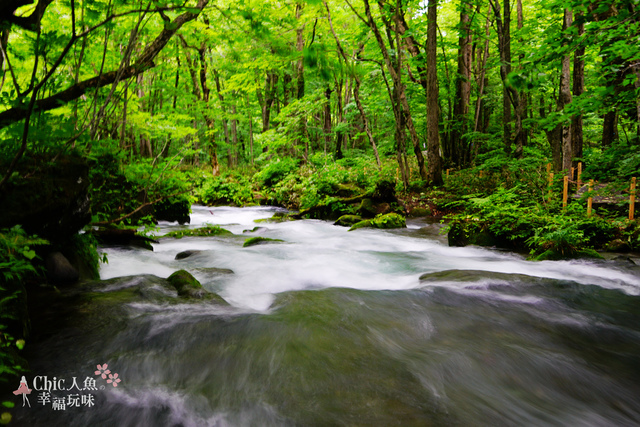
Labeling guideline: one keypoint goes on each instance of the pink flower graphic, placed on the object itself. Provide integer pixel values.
(113, 379)
(103, 371)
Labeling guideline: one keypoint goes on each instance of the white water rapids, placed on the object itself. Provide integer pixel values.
(316, 254)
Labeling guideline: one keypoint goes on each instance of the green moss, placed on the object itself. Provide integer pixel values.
(209, 230)
(253, 241)
(348, 220)
(184, 282)
(387, 221)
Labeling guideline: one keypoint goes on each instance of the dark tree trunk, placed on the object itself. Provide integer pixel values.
(459, 153)
(433, 143)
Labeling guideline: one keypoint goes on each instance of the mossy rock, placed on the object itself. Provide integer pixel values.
(277, 217)
(253, 241)
(387, 221)
(189, 287)
(367, 209)
(348, 220)
(551, 255)
(347, 190)
(255, 229)
(420, 212)
(186, 254)
(211, 230)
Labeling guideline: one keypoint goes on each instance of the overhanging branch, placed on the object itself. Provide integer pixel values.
(142, 63)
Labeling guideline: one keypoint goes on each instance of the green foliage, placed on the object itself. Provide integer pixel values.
(618, 162)
(119, 187)
(17, 255)
(275, 171)
(227, 189)
(209, 230)
(17, 264)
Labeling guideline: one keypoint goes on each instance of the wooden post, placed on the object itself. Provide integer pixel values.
(565, 191)
(579, 184)
(447, 173)
(572, 173)
(590, 199)
(632, 198)
(550, 184)
(548, 167)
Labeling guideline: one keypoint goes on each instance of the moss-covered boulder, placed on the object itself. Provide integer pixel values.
(253, 241)
(387, 221)
(348, 220)
(189, 287)
(555, 255)
(367, 208)
(209, 230)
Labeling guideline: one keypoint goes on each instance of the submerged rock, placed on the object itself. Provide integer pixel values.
(387, 221)
(253, 241)
(186, 254)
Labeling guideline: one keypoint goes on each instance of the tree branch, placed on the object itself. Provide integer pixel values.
(141, 64)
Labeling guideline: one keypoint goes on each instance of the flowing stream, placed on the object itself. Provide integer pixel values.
(330, 327)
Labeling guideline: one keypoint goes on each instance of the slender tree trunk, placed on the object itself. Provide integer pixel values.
(356, 89)
(481, 79)
(433, 149)
(233, 151)
(577, 138)
(459, 152)
(521, 105)
(397, 81)
(565, 97)
(327, 120)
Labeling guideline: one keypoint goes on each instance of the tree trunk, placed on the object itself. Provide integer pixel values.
(521, 105)
(565, 97)
(458, 148)
(433, 149)
(327, 120)
(578, 89)
(396, 77)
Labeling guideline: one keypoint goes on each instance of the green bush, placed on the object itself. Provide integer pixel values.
(275, 171)
(227, 189)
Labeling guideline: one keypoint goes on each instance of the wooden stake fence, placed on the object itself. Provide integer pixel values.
(565, 191)
(590, 199)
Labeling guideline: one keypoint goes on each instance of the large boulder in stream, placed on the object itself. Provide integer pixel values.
(189, 287)
(387, 221)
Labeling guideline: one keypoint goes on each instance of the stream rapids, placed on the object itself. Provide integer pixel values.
(330, 327)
